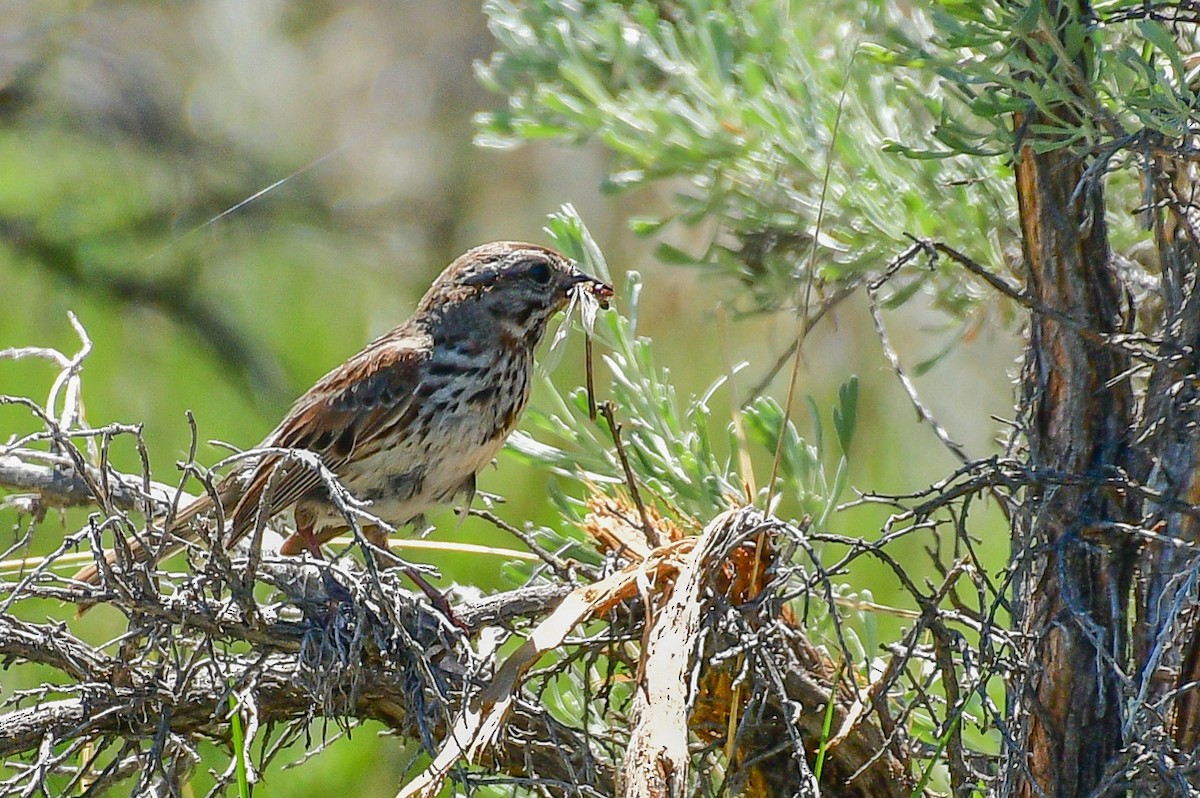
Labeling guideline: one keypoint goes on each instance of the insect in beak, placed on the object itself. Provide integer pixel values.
(600, 291)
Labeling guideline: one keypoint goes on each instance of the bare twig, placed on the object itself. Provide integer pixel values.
(923, 413)
(609, 412)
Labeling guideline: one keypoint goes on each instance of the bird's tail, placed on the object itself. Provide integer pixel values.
(182, 529)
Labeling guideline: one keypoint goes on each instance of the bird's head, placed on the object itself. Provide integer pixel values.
(518, 286)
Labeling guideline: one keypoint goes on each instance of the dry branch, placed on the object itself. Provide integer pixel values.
(286, 685)
(342, 641)
(657, 758)
(350, 655)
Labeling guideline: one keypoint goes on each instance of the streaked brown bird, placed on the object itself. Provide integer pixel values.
(408, 422)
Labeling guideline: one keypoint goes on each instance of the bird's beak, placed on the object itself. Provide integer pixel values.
(600, 290)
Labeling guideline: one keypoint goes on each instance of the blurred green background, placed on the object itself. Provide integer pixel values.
(127, 129)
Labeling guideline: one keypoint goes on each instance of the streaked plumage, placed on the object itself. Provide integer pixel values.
(408, 422)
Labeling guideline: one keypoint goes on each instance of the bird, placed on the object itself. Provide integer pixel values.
(407, 423)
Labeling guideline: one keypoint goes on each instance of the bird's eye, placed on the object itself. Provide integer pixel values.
(540, 272)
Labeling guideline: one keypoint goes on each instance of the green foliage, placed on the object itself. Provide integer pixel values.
(670, 445)
(1109, 77)
(740, 100)
(846, 413)
(1115, 83)
(680, 452)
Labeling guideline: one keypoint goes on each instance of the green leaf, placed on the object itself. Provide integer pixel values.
(1157, 34)
(239, 747)
(840, 479)
(917, 154)
(674, 256)
(818, 430)
(826, 733)
(645, 226)
(1027, 22)
(754, 78)
(926, 365)
(1075, 37)
(905, 292)
(845, 413)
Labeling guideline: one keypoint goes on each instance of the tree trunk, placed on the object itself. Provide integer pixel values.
(1072, 578)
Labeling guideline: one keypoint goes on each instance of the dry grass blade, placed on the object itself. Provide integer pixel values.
(591, 380)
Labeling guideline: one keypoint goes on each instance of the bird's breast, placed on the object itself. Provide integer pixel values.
(465, 407)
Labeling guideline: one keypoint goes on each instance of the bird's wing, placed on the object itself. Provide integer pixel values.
(349, 408)
(366, 399)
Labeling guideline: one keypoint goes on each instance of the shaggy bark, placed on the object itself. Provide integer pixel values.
(1072, 581)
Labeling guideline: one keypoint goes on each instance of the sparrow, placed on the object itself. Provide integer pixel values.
(407, 423)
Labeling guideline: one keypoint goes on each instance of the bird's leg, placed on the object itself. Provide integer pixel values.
(437, 598)
(378, 538)
(305, 538)
(310, 540)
